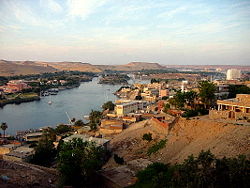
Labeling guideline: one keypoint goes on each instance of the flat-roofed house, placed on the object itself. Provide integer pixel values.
(33, 137)
(235, 108)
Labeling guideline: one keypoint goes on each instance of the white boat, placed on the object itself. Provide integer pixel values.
(50, 102)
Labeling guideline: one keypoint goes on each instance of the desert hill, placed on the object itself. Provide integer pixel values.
(185, 138)
(72, 66)
(10, 68)
(132, 66)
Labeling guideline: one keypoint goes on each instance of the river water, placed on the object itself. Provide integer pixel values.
(76, 102)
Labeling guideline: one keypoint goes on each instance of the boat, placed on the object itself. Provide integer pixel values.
(50, 101)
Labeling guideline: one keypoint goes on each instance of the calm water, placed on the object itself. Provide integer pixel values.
(76, 102)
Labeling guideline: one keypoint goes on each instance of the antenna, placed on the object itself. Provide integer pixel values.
(69, 118)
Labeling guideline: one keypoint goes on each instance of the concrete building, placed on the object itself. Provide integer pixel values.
(111, 127)
(86, 138)
(33, 137)
(163, 93)
(233, 74)
(129, 107)
(235, 109)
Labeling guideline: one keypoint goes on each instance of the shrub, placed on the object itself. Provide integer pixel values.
(147, 136)
(118, 160)
(190, 113)
(202, 171)
(157, 146)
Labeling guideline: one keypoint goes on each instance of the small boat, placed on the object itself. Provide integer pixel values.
(50, 102)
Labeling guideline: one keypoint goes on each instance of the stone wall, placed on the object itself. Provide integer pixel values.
(217, 114)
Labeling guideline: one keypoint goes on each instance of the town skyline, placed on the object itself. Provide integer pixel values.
(117, 32)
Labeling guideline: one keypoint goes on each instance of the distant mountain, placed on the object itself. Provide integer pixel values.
(132, 66)
(10, 68)
(72, 66)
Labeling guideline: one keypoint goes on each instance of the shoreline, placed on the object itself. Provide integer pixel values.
(30, 99)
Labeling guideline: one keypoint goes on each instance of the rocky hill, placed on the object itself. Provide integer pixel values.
(185, 138)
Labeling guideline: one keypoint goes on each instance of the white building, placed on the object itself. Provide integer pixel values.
(233, 74)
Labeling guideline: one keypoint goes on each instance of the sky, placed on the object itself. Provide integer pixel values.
(121, 31)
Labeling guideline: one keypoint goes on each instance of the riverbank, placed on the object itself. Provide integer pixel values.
(77, 102)
(19, 98)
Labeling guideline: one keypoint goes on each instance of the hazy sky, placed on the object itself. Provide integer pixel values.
(121, 31)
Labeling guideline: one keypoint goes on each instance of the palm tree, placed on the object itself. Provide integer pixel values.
(4, 126)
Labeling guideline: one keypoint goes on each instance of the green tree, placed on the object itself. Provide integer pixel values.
(207, 93)
(202, 171)
(138, 97)
(4, 126)
(95, 119)
(238, 89)
(190, 97)
(45, 151)
(79, 123)
(77, 162)
(108, 105)
(178, 100)
(61, 129)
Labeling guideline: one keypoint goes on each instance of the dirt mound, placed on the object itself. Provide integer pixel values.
(19, 174)
(185, 138)
(191, 136)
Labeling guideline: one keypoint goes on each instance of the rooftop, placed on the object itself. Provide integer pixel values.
(87, 138)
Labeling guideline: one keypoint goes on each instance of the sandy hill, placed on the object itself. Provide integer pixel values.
(185, 138)
(10, 68)
(72, 66)
(133, 66)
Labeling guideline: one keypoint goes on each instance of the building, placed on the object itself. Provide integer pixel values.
(163, 93)
(111, 127)
(129, 107)
(233, 74)
(86, 138)
(14, 86)
(33, 137)
(22, 153)
(235, 109)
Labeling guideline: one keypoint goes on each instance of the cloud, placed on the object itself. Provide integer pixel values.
(51, 5)
(172, 13)
(83, 8)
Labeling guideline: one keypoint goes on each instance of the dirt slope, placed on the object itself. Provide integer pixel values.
(24, 175)
(191, 136)
(185, 138)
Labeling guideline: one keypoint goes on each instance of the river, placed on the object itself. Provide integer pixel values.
(77, 102)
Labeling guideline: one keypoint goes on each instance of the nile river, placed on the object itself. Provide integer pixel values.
(76, 102)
